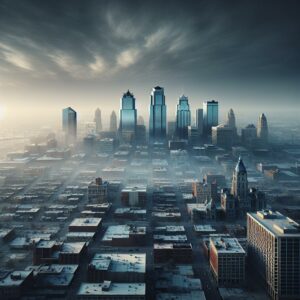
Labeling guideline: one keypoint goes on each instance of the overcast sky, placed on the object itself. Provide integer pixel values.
(85, 54)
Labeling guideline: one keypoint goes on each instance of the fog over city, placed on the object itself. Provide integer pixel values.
(149, 150)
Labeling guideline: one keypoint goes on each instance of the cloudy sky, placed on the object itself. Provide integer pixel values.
(85, 54)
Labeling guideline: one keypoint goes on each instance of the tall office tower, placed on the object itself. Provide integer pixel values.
(69, 124)
(274, 252)
(183, 117)
(199, 120)
(158, 114)
(222, 135)
(97, 120)
(140, 121)
(239, 187)
(128, 117)
(113, 122)
(249, 135)
(171, 129)
(210, 115)
(231, 119)
(262, 129)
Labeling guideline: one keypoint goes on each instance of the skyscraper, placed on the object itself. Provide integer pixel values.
(199, 120)
(140, 121)
(210, 115)
(239, 187)
(231, 119)
(69, 123)
(183, 117)
(128, 117)
(158, 114)
(274, 252)
(97, 120)
(262, 129)
(222, 135)
(113, 122)
(249, 135)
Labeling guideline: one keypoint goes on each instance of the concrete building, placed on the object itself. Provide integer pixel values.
(134, 196)
(85, 225)
(227, 261)
(112, 291)
(97, 191)
(117, 267)
(222, 136)
(274, 252)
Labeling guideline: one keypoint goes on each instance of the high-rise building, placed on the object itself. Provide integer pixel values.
(194, 136)
(97, 120)
(183, 117)
(274, 252)
(231, 119)
(239, 187)
(222, 135)
(249, 135)
(171, 129)
(69, 123)
(158, 114)
(140, 121)
(262, 129)
(210, 115)
(113, 122)
(199, 120)
(128, 117)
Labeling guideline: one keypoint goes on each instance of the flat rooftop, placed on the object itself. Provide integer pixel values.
(276, 223)
(227, 245)
(90, 222)
(121, 231)
(118, 262)
(108, 288)
(14, 278)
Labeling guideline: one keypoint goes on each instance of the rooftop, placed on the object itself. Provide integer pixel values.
(122, 231)
(86, 222)
(276, 223)
(108, 288)
(227, 245)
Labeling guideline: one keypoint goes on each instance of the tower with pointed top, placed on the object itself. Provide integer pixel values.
(113, 126)
(183, 117)
(239, 187)
(231, 119)
(158, 114)
(97, 120)
(262, 129)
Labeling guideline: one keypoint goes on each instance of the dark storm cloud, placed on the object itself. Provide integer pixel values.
(92, 40)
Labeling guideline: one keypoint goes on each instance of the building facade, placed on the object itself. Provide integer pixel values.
(158, 114)
(210, 115)
(69, 124)
(274, 252)
(183, 117)
(98, 120)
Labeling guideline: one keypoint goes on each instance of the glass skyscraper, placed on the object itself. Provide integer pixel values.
(183, 117)
(128, 116)
(69, 123)
(210, 115)
(158, 114)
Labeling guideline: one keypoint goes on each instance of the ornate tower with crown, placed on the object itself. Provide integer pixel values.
(239, 187)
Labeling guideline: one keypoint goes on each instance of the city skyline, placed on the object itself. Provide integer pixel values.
(85, 57)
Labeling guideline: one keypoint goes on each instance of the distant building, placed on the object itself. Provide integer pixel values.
(227, 261)
(117, 267)
(222, 136)
(199, 120)
(262, 130)
(97, 120)
(97, 191)
(128, 117)
(105, 145)
(134, 196)
(158, 114)
(194, 136)
(69, 124)
(171, 129)
(210, 115)
(249, 135)
(140, 135)
(231, 119)
(113, 127)
(183, 117)
(274, 252)
(112, 291)
(229, 205)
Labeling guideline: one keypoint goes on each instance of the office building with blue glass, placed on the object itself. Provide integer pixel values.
(183, 117)
(158, 114)
(128, 117)
(210, 115)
